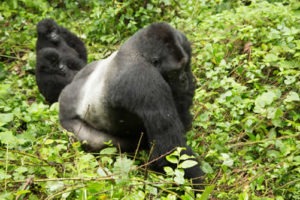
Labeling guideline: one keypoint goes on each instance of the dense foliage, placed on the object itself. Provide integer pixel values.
(246, 129)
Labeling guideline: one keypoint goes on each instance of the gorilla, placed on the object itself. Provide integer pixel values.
(60, 55)
(146, 86)
(55, 70)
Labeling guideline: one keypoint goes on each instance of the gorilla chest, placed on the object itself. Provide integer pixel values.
(97, 112)
(94, 108)
(113, 120)
(124, 122)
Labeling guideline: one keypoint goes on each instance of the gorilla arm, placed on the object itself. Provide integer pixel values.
(74, 42)
(147, 95)
(92, 139)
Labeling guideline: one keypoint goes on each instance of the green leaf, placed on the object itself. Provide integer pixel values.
(7, 137)
(4, 175)
(169, 171)
(206, 167)
(108, 151)
(48, 141)
(265, 99)
(6, 118)
(103, 171)
(208, 189)
(185, 157)
(290, 80)
(179, 176)
(271, 58)
(274, 113)
(55, 185)
(21, 192)
(187, 164)
(292, 96)
(172, 159)
(122, 167)
(273, 154)
(21, 169)
(227, 161)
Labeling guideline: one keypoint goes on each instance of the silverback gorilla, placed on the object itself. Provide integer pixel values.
(60, 55)
(147, 86)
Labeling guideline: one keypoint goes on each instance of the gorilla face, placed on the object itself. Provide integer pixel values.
(169, 55)
(49, 30)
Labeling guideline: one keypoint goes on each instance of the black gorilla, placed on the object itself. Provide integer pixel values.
(147, 86)
(60, 55)
(54, 71)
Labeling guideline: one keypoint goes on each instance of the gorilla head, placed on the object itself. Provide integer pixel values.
(171, 55)
(147, 86)
(60, 55)
(49, 31)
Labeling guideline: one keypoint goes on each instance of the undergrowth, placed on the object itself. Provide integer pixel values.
(246, 127)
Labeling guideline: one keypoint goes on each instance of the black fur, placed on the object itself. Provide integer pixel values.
(54, 71)
(147, 86)
(60, 55)
(52, 35)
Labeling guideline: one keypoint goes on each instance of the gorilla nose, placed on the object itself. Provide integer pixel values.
(61, 67)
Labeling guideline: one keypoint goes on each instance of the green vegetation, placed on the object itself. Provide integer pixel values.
(246, 129)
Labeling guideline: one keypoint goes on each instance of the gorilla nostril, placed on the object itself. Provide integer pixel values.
(61, 66)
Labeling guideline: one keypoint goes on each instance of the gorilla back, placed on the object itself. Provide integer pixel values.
(147, 86)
